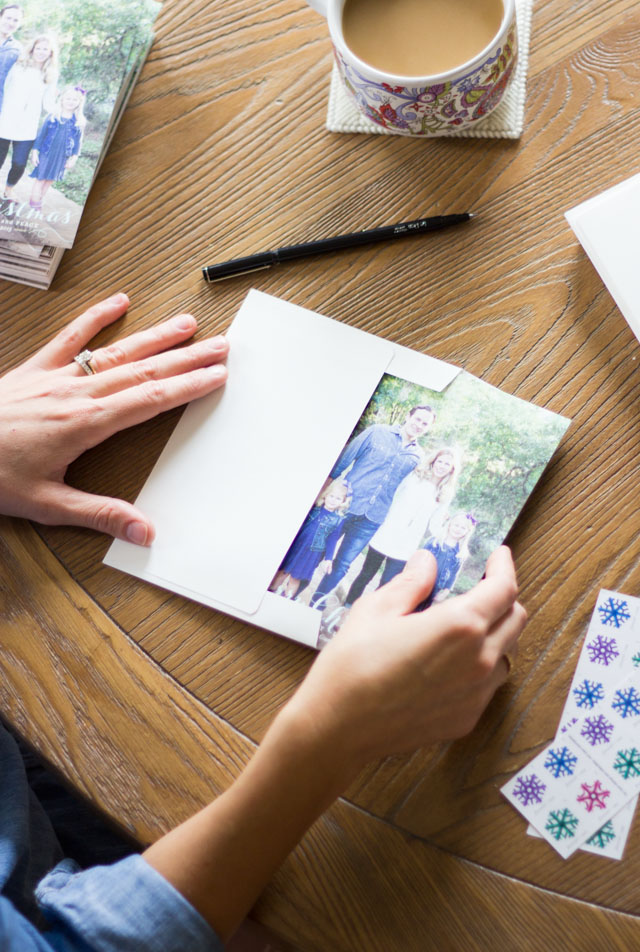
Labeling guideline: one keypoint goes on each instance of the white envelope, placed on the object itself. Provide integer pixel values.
(244, 465)
(608, 228)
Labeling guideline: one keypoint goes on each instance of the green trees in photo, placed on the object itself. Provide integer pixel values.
(98, 42)
(504, 443)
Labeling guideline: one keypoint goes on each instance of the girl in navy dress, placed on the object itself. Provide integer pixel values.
(316, 541)
(57, 146)
(450, 550)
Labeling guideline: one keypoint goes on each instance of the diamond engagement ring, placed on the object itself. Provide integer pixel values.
(84, 360)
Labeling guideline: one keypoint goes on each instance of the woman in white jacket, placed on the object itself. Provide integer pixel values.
(419, 504)
(29, 87)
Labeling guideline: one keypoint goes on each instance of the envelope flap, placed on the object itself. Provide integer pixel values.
(244, 465)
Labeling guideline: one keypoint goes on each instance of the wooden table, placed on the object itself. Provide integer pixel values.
(151, 704)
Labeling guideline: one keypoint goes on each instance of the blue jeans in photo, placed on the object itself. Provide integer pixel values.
(357, 532)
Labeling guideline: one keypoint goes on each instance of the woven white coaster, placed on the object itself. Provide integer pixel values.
(505, 122)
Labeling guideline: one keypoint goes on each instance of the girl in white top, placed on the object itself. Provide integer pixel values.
(29, 87)
(419, 504)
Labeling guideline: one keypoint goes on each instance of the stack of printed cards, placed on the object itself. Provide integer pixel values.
(581, 791)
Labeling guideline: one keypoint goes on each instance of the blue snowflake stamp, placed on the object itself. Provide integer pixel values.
(602, 650)
(614, 611)
(626, 702)
(561, 824)
(588, 693)
(529, 789)
(636, 659)
(627, 763)
(597, 730)
(602, 836)
(561, 762)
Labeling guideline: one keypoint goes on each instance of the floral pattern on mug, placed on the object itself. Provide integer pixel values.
(428, 109)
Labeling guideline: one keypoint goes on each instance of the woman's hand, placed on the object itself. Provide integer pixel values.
(393, 679)
(51, 411)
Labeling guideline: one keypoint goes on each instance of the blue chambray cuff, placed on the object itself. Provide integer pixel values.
(126, 907)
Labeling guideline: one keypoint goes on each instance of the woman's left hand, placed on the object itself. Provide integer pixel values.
(51, 411)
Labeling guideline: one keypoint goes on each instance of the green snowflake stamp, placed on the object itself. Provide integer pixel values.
(562, 824)
(627, 763)
(602, 836)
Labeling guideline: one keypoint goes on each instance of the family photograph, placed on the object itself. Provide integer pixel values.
(446, 472)
(62, 65)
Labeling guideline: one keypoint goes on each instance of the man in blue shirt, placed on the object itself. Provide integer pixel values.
(10, 48)
(391, 680)
(377, 460)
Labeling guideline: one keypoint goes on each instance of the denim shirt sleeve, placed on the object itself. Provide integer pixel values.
(126, 907)
(16, 932)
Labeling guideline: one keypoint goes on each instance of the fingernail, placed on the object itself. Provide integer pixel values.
(137, 532)
(185, 322)
(217, 344)
(118, 299)
(217, 371)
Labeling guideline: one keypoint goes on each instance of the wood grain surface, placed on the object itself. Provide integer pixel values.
(221, 152)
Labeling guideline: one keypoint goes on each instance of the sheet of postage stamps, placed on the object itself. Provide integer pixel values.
(581, 791)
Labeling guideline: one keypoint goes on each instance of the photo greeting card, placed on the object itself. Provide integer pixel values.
(66, 70)
(331, 456)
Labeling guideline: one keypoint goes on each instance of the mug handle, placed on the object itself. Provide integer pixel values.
(320, 6)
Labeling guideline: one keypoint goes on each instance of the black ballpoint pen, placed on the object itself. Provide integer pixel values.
(218, 272)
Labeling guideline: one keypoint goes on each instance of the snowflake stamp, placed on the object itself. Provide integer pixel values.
(614, 611)
(588, 693)
(627, 763)
(594, 795)
(562, 824)
(602, 650)
(627, 702)
(636, 659)
(529, 789)
(561, 762)
(597, 730)
(602, 836)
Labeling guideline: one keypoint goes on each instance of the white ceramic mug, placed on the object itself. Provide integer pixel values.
(424, 105)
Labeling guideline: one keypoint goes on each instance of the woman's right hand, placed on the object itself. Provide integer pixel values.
(393, 680)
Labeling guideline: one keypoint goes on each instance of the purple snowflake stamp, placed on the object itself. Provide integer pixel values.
(602, 650)
(529, 789)
(597, 730)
